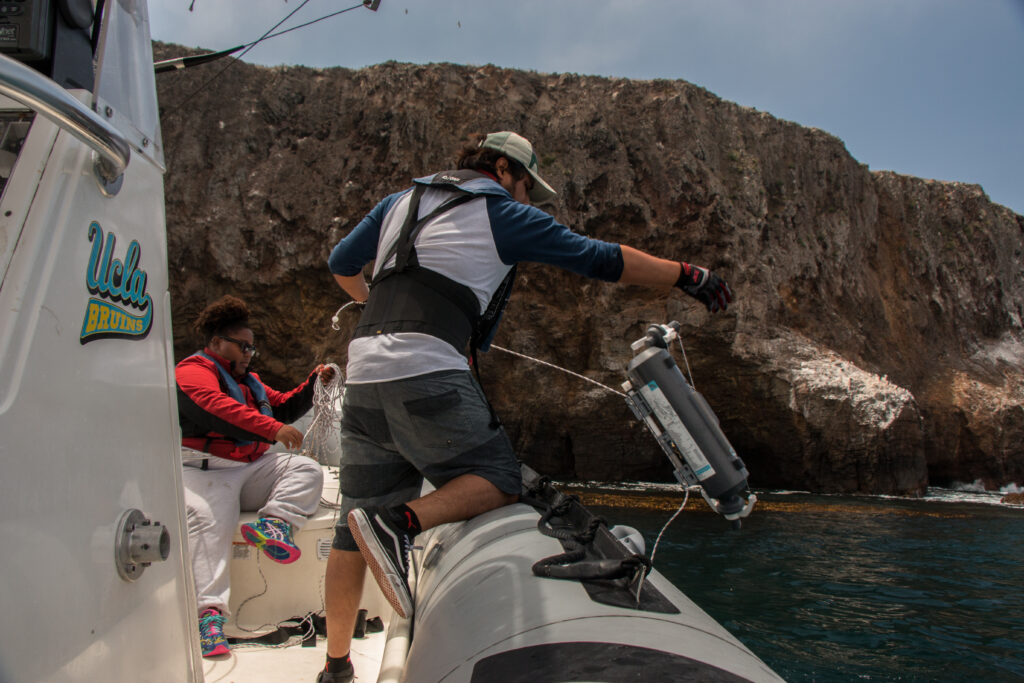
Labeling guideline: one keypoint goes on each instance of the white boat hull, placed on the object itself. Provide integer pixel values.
(482, 615)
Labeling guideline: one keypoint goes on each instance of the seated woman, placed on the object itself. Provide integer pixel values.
(229, 419)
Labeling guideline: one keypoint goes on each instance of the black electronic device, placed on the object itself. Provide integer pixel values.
(26, 29)
(52, 36)
(685, 426)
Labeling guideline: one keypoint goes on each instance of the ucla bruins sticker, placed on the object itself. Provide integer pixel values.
(119, 305)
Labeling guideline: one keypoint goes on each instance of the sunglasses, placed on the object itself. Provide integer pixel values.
(244, 346)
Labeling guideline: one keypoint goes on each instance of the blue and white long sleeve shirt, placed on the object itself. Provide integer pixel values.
(474, 244)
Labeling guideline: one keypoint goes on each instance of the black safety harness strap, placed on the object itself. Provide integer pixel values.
(404, 248)
(483, 332)
(409, 298)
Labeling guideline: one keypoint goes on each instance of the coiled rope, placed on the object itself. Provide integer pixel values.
(324, 427)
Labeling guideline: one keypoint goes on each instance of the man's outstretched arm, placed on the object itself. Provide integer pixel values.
(640, 268)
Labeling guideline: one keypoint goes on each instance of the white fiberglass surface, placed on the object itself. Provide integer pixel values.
(86, 418)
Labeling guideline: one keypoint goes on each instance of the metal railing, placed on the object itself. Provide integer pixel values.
(37, 92)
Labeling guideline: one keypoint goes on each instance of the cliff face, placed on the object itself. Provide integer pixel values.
(875, 343)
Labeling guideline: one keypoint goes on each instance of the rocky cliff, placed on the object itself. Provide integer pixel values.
(876, 340)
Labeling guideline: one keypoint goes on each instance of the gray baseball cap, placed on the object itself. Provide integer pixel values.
(517, 147)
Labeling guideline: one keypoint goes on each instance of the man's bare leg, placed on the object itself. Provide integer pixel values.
(461, 498)
(343, 586)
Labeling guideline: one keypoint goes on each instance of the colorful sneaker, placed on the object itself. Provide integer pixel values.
(211, 633)
(386, 551)
(274, 537)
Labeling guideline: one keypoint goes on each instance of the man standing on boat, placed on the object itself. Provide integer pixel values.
(445, 256)
(229, 419)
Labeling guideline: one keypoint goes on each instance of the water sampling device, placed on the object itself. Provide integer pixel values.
(684, 425)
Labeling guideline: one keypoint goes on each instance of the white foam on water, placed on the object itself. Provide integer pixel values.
(631, 486)
(973, 492)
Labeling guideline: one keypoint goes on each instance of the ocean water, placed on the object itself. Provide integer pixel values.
(848, 588)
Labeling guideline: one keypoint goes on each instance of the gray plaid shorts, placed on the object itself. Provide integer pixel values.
(395, 434)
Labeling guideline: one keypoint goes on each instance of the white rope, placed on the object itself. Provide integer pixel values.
(336, 503)
(657, 541)
(552, 365)
(324, 427)
(682, 348)
(679, 338)
(671, 519)
(337, 314)
(264, 628)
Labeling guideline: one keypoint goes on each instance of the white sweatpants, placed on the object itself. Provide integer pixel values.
(282, 485)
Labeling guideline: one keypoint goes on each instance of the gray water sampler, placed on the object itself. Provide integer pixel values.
(684, 425)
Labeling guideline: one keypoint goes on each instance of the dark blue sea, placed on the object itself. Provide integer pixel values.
(842, 588)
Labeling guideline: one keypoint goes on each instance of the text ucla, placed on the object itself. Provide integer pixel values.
(120, 305)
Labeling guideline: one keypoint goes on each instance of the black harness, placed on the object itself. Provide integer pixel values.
(410, 298)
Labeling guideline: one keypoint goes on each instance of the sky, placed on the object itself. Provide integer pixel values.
(928, 88)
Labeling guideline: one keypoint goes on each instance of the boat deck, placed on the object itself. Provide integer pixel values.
(264, 664)
(265, 595)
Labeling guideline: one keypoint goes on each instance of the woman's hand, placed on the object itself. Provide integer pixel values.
(289, 436)
(326, 373)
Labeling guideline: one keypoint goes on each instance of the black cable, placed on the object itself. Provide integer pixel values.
(229, 64)
(266, 36)
(195, 60)
(97, 23)
(310, 23)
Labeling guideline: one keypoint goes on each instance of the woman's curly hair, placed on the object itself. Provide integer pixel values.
(226, 314)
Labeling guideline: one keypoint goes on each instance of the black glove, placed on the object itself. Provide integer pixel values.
(704, 286)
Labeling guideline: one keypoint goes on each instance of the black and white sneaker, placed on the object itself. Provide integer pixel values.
(340, 677)
(386, 551)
